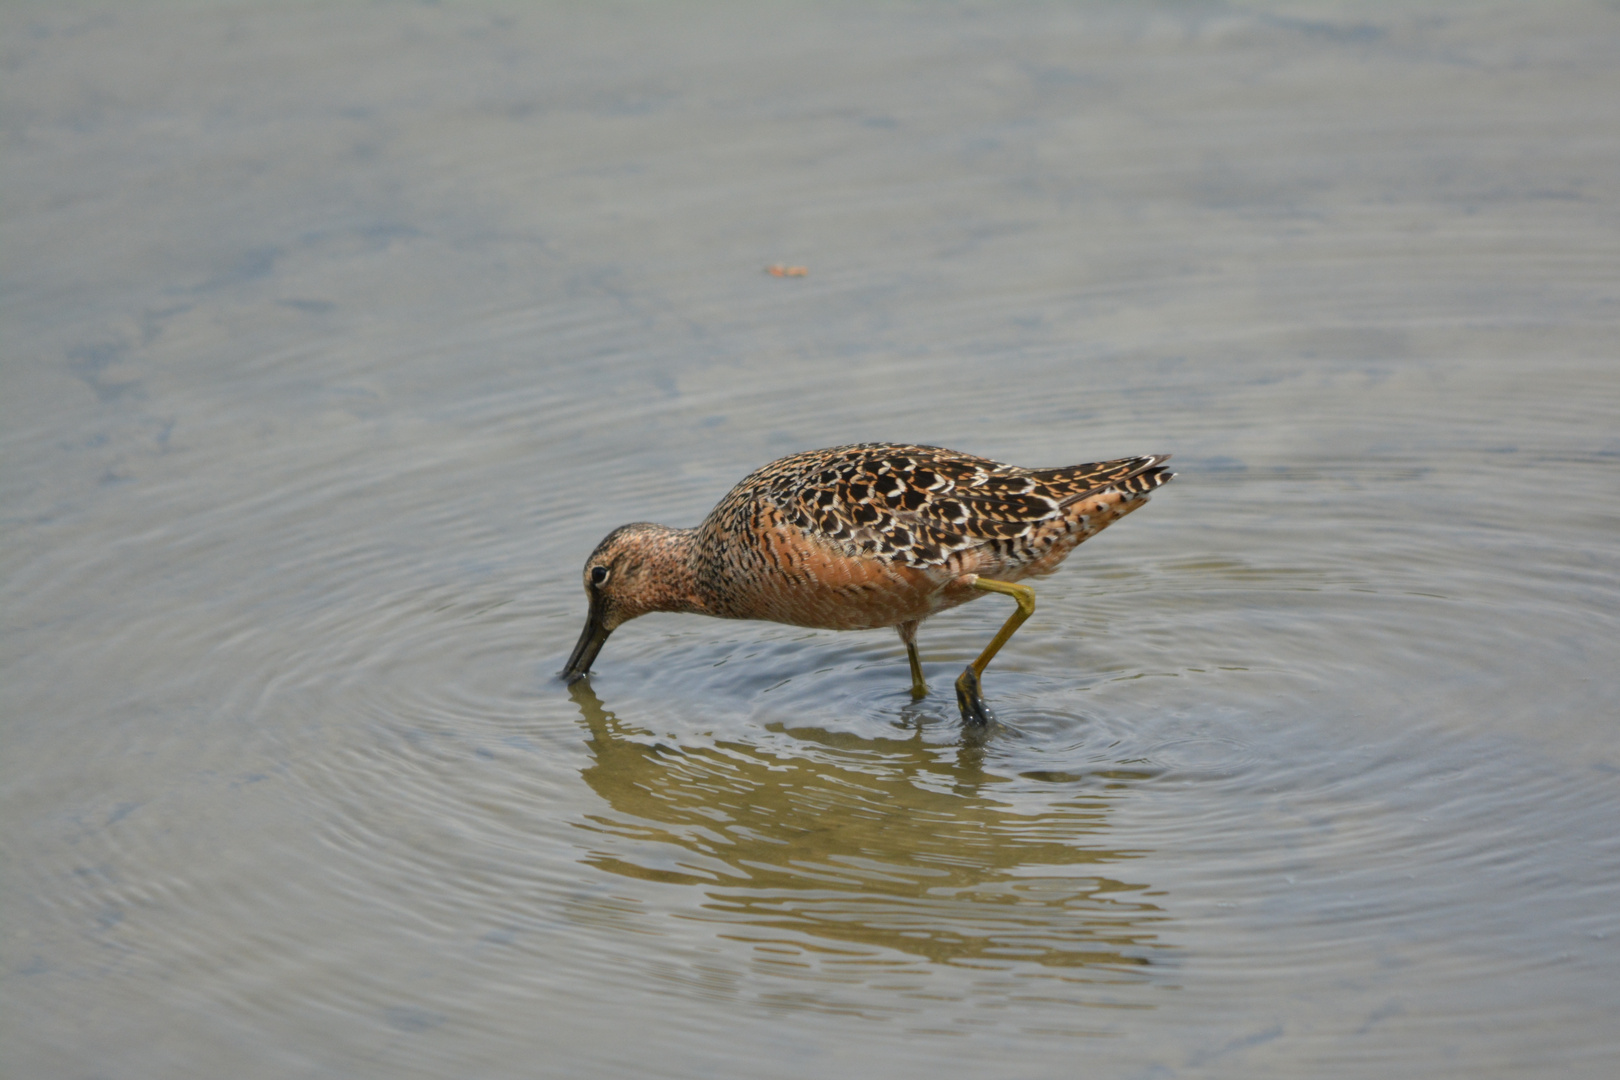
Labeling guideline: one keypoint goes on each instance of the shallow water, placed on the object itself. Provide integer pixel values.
(336, 337)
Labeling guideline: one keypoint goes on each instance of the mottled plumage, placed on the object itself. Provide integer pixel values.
(856, 537)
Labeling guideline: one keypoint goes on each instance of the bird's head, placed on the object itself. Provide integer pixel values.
(636, 569)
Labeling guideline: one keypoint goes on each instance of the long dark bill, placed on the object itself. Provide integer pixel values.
(590, 643)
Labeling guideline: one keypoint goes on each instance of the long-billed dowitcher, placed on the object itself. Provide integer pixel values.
(857, 537)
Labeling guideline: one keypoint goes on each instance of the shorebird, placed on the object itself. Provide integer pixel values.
(858, 537)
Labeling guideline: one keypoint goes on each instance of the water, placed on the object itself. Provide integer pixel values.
(336, 337)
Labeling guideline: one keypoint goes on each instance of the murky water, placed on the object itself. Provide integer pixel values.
(335, 336)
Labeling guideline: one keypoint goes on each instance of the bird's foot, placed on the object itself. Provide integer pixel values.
(969, 700)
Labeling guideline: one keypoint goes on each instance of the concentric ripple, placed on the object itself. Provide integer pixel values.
(336, 338)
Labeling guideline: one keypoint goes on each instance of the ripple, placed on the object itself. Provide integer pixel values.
(314, 414)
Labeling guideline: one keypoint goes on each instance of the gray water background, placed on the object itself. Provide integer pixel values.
(333, 336)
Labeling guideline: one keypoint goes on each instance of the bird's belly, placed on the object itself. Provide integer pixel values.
(847, 595)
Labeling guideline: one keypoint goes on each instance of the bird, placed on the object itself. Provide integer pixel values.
(864, 536)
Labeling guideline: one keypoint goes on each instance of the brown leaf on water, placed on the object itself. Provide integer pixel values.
(778, 270)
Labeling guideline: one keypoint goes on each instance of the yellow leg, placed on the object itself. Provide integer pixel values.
(968, 698)
(908, 634)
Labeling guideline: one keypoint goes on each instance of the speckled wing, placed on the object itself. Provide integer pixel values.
(921, 505)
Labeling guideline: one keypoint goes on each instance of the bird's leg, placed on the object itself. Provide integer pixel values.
(908, 634)
(968, 699)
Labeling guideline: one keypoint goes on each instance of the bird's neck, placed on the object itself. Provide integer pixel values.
(669, 569)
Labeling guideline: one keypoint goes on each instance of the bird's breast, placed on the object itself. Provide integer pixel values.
(781, 575)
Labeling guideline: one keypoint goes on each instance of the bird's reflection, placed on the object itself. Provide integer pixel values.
(888, 843)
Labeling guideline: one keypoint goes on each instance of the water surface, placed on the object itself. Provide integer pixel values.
(335, 337)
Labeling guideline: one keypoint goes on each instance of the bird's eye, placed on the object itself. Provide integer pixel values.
(599, 575)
